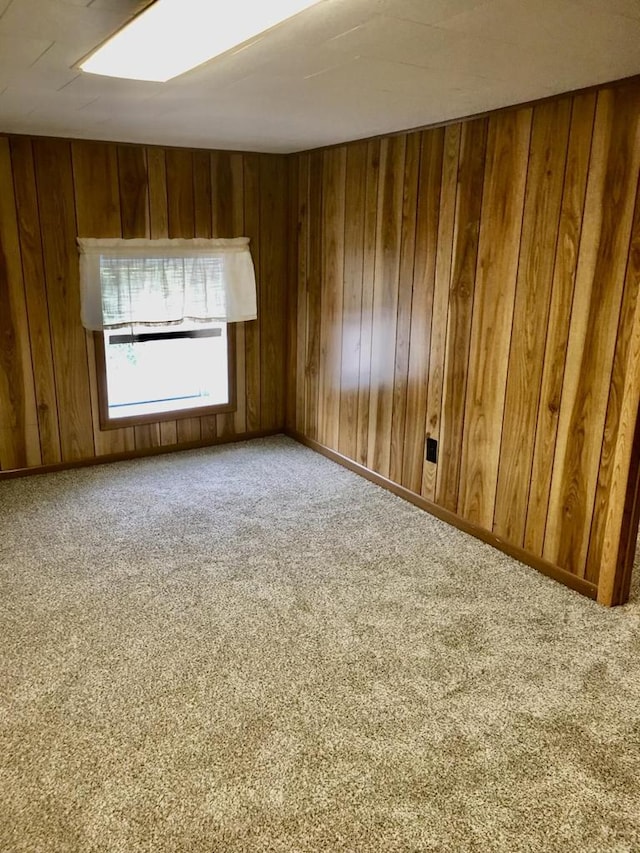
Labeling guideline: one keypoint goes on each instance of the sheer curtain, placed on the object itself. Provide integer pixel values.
(127, 282)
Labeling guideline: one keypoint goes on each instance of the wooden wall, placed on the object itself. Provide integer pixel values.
(54, 190)
(479, 284)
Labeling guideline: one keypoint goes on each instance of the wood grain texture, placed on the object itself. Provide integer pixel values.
(500, 231)
(385, 301)
(54, 179)
(440, 309)
(252, 331)
(509, 339)
(158, 205)
(97, 198)
(28, 216)
(99, 189)
(291, 330)
(301, 237)
(603, 558)
(611, 193)
(134, 191)
(448, 273)
(354, 254)
(19, 429)
(614, 583)
(331, 295)
(405, 294)
(565, 267)
(368, 276)
(424, 273)
(314, 294)
(273, 287)
(545, 181)
(466, 235)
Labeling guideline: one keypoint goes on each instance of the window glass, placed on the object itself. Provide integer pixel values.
(157, 369)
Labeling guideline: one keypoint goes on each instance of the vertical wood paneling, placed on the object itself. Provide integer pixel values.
(301, 285)
(19, 431)
(424, 272)
(24, 180)
(354, 254)
(158, 206)
(54, 181)
(331, 296)
(611, 193)
(473, 146)
(511, 339)
(620, 425)
(494, 316)
(385, 301)
(368, 276)
(446, 227)
(545, 180)
(314, 277)
(405, 293)
(134, 191)
(291, 331)
(477, 283)
(273, 270)
(565, 266)
(181, 218)
(252, 329)
(48, 383)
(500, 231)
(97, 196)
(623, 519)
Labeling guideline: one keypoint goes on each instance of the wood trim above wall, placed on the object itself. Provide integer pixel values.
(572, 581)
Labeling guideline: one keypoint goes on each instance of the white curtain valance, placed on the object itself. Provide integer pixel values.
(127, 282)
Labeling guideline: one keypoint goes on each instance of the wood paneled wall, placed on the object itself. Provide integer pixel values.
(54, 190)
(478, 284)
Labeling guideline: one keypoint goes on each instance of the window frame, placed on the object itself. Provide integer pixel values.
(107, 422)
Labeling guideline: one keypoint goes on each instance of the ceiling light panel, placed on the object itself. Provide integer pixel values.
(173, 36)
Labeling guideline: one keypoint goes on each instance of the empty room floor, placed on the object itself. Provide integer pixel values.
(249, 648)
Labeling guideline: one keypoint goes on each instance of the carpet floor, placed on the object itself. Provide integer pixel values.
(249, 648)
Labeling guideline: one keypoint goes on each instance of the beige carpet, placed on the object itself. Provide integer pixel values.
(250, 649)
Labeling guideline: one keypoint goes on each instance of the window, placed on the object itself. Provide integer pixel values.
(162, 312)
(153, 373)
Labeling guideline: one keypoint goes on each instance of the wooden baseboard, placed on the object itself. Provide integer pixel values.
(549, 569)
(134, 454)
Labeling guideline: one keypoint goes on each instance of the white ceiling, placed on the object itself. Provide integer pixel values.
(344, 69)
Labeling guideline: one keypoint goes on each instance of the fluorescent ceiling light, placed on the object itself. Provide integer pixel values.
(172, 36)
